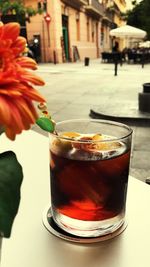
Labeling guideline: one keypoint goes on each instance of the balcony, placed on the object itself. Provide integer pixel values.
(108, 18)
(75, 3)
(116, 9)
(94, 8)
(109, 15)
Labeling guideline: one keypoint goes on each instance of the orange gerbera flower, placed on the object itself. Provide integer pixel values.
(17, 111)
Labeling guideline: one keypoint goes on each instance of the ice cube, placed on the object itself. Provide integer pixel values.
(61, 147)
(84, 155)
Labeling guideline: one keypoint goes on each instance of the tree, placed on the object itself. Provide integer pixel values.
(17, 7)
(16, 10)
(139, 16)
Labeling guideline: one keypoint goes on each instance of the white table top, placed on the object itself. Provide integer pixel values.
(31, 245)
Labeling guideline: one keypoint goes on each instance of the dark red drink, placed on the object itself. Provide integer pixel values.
(89, 190)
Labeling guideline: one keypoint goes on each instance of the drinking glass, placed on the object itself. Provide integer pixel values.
(89, 168)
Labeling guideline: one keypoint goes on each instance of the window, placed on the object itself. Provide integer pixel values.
(42, 4)
(93, 31)
(78, 26)
(88, 30)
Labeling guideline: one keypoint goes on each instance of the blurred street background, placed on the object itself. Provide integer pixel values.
(72, 90)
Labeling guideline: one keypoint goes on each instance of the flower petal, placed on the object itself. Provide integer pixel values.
(19, 45)
(5, 112)
(27, 62)
(10, 92)
(27, 76)
(16, 120)
(11, 31)
(10, 133)
(1, 28)
(32, 94)
(23, 106)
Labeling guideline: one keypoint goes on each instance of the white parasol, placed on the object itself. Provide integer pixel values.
(145, 44)
(128, 32)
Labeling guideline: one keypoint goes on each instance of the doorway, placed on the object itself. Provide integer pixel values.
(65, 36)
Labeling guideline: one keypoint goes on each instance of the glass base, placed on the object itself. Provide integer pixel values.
(87, 228)
(54, 229)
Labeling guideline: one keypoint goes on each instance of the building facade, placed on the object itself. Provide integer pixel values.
(71, 30)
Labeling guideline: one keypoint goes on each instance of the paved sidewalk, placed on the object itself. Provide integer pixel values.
(73, 89)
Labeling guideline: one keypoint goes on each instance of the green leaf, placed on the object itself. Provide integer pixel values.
(45, 124)
(10, 182)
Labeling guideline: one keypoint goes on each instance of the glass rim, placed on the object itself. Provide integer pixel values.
(109, 122)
